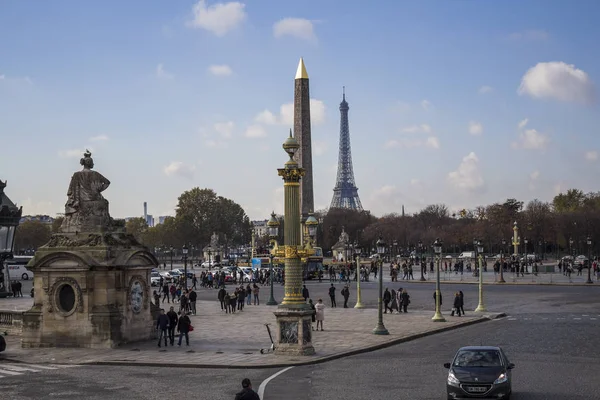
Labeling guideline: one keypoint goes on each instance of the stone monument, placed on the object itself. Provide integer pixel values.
(92, 279)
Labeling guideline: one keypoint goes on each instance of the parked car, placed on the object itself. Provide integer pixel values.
(479, 371)
(166, 276)
(181, 272)
(154, 278)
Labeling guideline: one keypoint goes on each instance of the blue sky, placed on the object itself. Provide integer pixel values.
(458, 102)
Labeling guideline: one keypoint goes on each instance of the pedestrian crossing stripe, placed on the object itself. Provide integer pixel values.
(13, 369)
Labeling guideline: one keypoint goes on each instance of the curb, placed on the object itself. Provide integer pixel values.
(507, 283)
(320, 360)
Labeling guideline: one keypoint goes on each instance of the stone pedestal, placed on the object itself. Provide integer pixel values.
(91, 290)
(294, 333)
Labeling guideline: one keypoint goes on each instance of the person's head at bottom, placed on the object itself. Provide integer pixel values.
(246, 384)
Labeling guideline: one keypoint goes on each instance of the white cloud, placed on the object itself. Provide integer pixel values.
(432, 142)
(39, 208)
(255, 131)
(531, 139)
(225, 129)
(415, 182)
(161, 73)
(1, 77)
(73, 153)
(529, 35)
(99, 138)
(219, 18)
(426, 104)
(178, 168)
(319, 147)
(215, 144)
(297, 27)
(220, 70)
(475, 128)
(486, 89)
(266, 117)
(423, 128)
(534, 175)
(406, 143)
(467, 176)
(523, 123)
(591, 155)
(286, 114)
(559, 81)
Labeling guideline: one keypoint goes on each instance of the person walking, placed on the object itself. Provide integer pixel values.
(456, 306)
(247, 393)
(256, 290)
(183, 327)
(314, 312)
(162, 324)
(221, 296)
(394, 302)
(248, 295)
(332, 296)
(346, 293)
(173, 319)
(320, 311)
(462, 301)
(305, 293)
(165, 290)
(387, 297)
(405, 300)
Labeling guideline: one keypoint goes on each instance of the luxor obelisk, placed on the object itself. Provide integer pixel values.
(302, 134)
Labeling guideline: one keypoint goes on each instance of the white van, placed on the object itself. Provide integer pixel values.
(17, 268)
(466, 254)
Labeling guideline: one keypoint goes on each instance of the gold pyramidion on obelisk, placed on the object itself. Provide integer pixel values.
(301, 72)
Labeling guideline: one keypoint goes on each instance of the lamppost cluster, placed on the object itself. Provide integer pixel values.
(10, 215)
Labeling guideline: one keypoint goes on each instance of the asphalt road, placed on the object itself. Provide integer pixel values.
(550, 334)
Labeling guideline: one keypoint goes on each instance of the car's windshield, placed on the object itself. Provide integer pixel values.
(478, 358)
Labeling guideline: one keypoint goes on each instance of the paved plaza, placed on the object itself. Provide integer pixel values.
(235, 340)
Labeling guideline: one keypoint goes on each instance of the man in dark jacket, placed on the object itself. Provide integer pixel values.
(183, 327)
(346, 293)
(162, 323)
(221, 296)
(173, 319)
(247, 393)
(332, 295)
(192, 297)
(387, 297)
(305, 292)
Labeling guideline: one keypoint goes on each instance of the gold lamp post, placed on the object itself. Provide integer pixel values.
(380, 328)
(516, 240)
(357, 250)
(437, 248)
(293, 314)
(479, 259)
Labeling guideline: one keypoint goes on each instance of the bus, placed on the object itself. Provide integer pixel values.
(312, 265)
(17, 268)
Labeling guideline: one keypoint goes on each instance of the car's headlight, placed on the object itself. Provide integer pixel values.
(452, 379)
(501, 379)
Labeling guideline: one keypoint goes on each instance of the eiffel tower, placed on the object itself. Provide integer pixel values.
(345, 192)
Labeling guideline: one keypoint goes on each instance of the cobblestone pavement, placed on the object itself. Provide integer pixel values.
(235, 340)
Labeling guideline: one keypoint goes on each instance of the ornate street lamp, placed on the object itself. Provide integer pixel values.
(184, 250)
(589, 245)
(357, 250)
(437, 248)
(10, 215)
(478, 258)
(171, 249)
(571, 247)
(502, 262)
(273, 228)
(380, 328)
(312, 224)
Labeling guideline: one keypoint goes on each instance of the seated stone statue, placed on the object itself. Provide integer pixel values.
(86, 210)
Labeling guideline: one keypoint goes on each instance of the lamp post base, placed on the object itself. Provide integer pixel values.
(271, 302)
(359, 305)
(589, 281)
(480, 308)
(294, 336)
(438, 317)
(501, 280)
(422, 278)
(380, 330)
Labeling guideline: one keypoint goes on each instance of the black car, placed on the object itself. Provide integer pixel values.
(479, 372)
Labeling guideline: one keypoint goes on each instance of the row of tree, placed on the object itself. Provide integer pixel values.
(563, 225)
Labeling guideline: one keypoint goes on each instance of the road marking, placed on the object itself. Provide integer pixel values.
(577, 318)
(584, 315)
(512, 319)
(593, 319)
(526, 319)
(545, 318)
(20, 369)
(263, 385)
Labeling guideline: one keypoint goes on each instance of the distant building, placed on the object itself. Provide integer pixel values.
(161, 219)
(260, 228)
(44, 219)
(149, 220)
